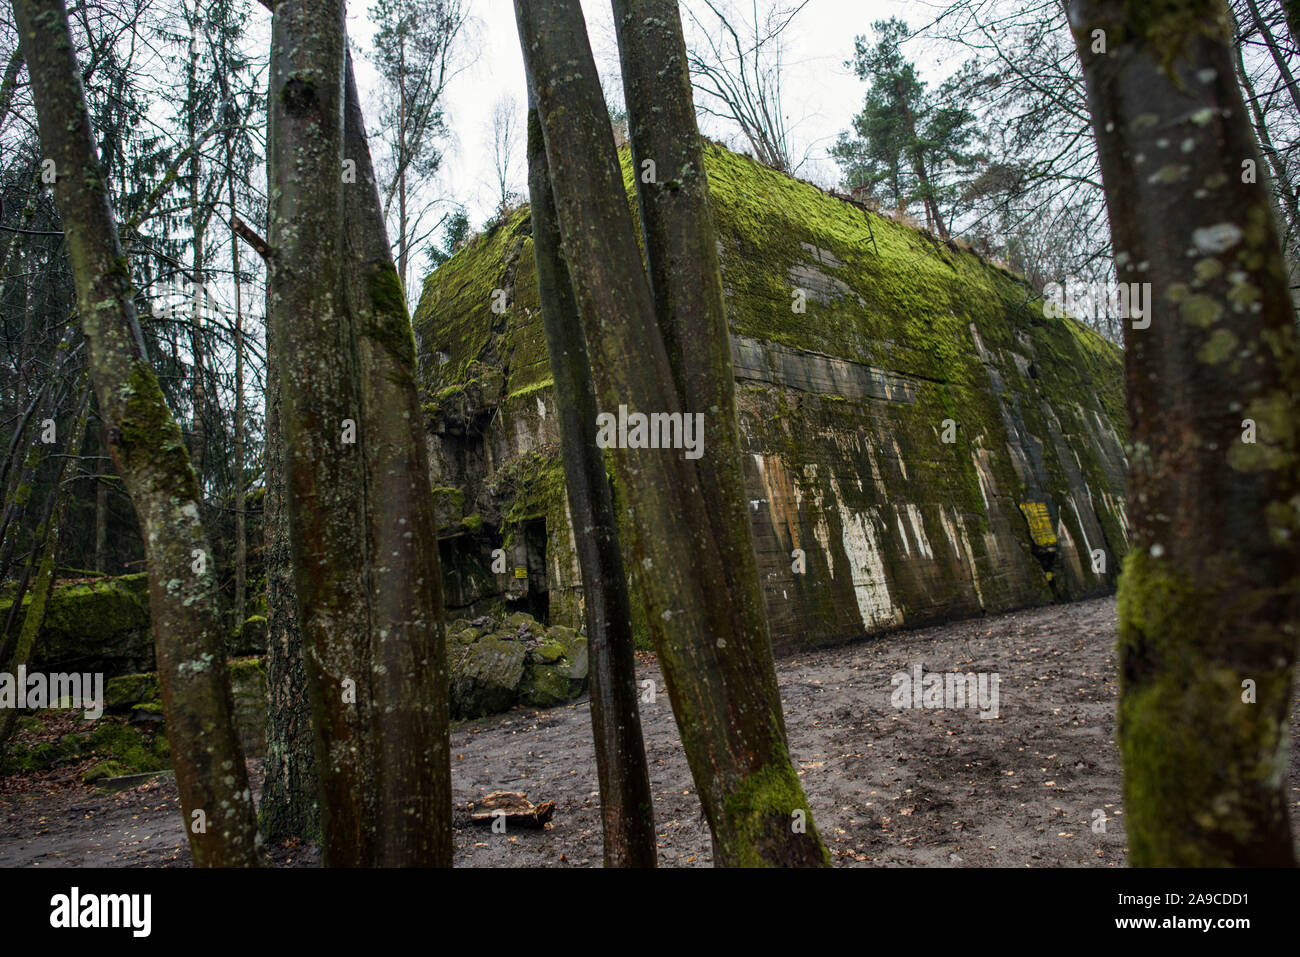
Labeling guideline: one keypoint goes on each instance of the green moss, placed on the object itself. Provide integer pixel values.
(245, 669)
(389, 324)
(968, 337)
(125, 692)
(105, 770)
(100, 622)
(460, 294)
(761, 812)
(532, 486)
(150, 438)
(545, 687)
(1180, 712)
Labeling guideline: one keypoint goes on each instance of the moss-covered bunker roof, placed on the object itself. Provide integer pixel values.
(878, 291)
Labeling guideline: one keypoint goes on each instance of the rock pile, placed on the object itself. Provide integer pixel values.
(497, 663)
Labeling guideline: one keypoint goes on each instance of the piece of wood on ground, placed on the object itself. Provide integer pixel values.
(514, 807)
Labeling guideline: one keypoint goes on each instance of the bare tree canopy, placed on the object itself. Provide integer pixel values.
(737, 63)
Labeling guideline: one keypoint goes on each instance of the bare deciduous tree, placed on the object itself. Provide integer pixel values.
(737, 64)
(505, 148)
(415, 51)
(150, 456)
(719, 675)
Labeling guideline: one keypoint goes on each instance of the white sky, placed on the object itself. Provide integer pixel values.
(821, 94)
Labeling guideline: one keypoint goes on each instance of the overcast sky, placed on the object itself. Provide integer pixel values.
(821, 94)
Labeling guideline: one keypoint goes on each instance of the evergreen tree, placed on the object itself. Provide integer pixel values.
(909, 142)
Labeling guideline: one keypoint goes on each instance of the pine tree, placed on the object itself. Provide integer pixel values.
(909, 141)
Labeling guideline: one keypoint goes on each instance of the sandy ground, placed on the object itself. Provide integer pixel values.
(888, 786)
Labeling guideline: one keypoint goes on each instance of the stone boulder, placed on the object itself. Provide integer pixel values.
(485, 678)
(139, 696)
(94, 625)
(498, 663)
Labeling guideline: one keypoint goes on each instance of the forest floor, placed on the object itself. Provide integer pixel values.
(888, 786)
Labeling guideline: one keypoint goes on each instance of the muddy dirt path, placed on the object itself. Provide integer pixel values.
(888, 786)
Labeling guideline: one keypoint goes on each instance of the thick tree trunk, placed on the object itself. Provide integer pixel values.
(409, 679)
(149, 453)
(289, 804)
(732, 730)
(626, 804)
(321, 413)
(1209, 595)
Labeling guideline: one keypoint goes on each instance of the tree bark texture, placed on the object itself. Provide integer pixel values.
(731, 727)
(1208, 599)
(320, 413)
(626, 804)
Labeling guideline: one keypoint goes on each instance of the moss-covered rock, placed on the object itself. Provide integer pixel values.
(140, 696)
(249, 695)
(96, 625)
(522, 624)
(501, 662)
(250, 638)
(486, 678)
(125, 692)
(547, 685)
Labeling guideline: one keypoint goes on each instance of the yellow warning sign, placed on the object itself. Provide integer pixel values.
(522, 572)
(1040, 523)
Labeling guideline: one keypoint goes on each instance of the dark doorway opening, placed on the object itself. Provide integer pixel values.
(538, 600)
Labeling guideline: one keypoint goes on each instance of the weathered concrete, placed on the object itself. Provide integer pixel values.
(920, 442)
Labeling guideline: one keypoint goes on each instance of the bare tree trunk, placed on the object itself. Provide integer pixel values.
(409, 677)
(289, 804)
(321, 413)
(149, 452)
(1211, 587)
(626, 803)
(198, 438)
(403, 160)
(731, 728)
(101, 506)
(241, 535)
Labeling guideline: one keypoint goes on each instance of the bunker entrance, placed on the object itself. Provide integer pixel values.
(530, 565)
